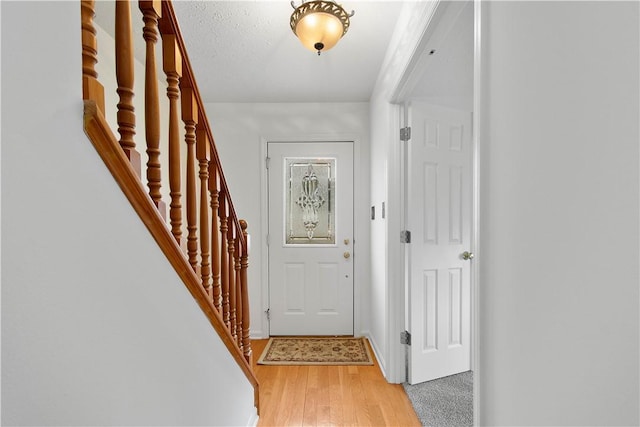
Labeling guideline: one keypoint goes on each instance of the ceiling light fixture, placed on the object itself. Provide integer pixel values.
(319, 24)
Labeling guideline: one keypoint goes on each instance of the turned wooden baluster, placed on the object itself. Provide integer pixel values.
(215, 243)
(190, 119)
(236, 257)
(224, 265)
(172, 65)
(203, 148)
(232, 278)
(91, 87)
(244, 264)
(151, 12)
(124, 76)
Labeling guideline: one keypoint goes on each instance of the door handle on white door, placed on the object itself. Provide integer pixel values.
(346, 255)
(466, 255)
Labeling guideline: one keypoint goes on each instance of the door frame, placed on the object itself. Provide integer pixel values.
(361, 264)
(398, 363)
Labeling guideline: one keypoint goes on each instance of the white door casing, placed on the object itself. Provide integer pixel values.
(439, 203)
(310, 238)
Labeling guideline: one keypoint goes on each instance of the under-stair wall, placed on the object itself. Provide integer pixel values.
(97, 328)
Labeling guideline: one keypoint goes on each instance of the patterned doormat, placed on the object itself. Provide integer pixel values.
(316, 351)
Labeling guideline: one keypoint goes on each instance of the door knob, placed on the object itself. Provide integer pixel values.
(466, 255)
(346, 255)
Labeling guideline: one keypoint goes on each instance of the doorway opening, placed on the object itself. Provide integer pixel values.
(438, 102)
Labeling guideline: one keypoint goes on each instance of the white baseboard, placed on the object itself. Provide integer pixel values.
(377, 352)
(253, 420)
(257, 335)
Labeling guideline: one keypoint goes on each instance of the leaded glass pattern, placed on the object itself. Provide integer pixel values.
(310, 201)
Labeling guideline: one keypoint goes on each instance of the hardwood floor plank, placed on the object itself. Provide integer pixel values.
(323, 385)
(299, 397)
(311, 397)
(324, 415)
(375, 415)
(349, 407)
(359, 400)
(336, 398)
(329, 395)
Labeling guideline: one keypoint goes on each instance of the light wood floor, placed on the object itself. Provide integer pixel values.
(329, 396)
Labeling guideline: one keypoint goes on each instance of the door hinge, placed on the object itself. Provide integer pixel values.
(267, 160)
(268, 239)
(268, 313)
(405, 133)
(405, 236)
(405, 338)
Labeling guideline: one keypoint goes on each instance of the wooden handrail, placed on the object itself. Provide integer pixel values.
(212, 261)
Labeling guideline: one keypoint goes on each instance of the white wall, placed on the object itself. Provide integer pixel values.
(97, 329)
(559, 253)
(386, 250)
(241, 132)
(379, 251)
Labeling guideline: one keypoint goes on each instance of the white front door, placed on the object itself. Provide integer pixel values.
(439, 218)
(310, 238)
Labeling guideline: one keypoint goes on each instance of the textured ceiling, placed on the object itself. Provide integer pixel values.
(245, 51)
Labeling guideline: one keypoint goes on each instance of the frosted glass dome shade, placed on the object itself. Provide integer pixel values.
(319, 24)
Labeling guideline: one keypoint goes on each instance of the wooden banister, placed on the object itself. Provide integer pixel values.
(169, 25)
(214, 265)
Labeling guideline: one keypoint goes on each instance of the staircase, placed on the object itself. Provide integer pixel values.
(203, 238)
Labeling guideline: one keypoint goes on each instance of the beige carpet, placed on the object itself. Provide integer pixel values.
(316, 351)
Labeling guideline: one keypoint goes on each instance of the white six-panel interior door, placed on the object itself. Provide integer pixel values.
(439, 200)
(310, 238)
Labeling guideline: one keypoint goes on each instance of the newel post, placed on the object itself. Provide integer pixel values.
(237, 266)
(231, 242)
(244, 264)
